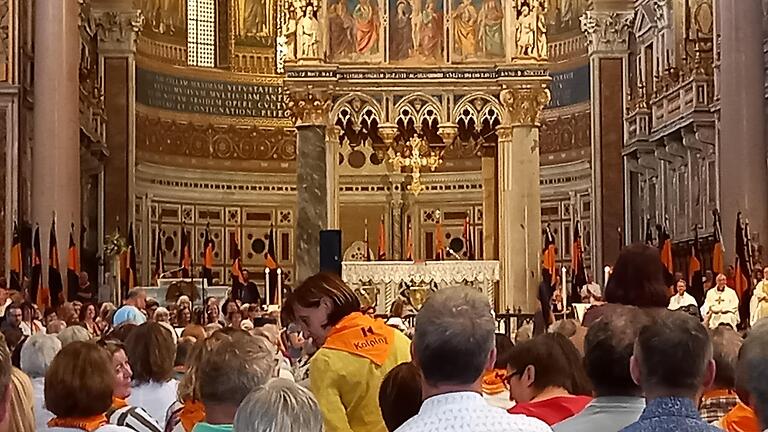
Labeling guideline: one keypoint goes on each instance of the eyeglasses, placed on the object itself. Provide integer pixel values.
(509, 377)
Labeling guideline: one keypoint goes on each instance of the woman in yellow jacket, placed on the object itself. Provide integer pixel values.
(356, 351)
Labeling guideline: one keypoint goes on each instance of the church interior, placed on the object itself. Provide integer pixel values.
(404, 143)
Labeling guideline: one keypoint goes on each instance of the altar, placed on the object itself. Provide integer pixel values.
(382, 281)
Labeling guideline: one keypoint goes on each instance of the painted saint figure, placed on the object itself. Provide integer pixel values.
(491, 21)
(431, 30)
(340, 29)
(308, 34)
(366, 27)
(465, 29)
(526, 32)
(400, 33)
(251, 18)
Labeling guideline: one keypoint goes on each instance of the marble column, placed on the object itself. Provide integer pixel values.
(56, 151)
(742, 143)
(519, 194)
(332, 174)
(118, 26)
(490, 205)
(607, 39)
(310, 108)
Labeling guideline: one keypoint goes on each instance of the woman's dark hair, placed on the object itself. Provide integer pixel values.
(504, 346)
(400, 395)
(638, 278)
(111, 345)
(557, 363)
(84, 311)
(324, 285)
(151, 352)
(121, 332)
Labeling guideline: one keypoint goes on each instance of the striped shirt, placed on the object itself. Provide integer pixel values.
(134, 418)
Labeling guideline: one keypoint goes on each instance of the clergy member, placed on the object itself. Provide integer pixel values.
(721, 305)
(682, 298)
(758, 306)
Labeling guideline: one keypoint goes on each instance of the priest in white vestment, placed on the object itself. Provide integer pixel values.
(721, 305)
(682, 298)
(758, 306)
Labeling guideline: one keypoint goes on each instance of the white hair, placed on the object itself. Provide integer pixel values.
(160, 311)
(73, 334)
(279, 406)
(37, 353)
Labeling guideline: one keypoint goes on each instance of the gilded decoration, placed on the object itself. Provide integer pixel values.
(115, 27)
(5, 39)
(167, 18)
(566, 133)
(211, 141)
(531, 30)
(523, 104)
(253, 23)
(607, 31)
(310, 105)
(92, 115)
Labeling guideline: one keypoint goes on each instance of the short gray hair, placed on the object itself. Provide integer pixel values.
(73, 334)
(279, 406)
(37, 353)
(455, 333)
(234, 368)
(136, 293)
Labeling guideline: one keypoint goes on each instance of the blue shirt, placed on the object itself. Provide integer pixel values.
(670, 414)
(128, 314)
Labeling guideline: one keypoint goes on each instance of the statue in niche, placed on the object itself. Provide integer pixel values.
(366, 16)
(431, 31)
(289, 32)
(465, 29)
(401, 31)
(340, 30)
(308, 32)
(491, 23)
(250, 18)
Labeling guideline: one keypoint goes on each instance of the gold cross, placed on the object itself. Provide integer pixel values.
(416, 161)
(719, 300)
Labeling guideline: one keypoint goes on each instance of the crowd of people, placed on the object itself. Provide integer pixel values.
(324, 364)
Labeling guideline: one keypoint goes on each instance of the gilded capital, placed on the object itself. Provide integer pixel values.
(118, 30)
(607, 31)
(310, 106)
(523, 104)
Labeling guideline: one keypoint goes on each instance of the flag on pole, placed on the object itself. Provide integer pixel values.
(718, 262)
(550, 253)
(238, 283)
(270, 259)
(208, 246)
(381, 254)
(73, 267)
(469, 245)
(578, 270)
(409, 241)
(185, 257)
(55, 284)
(38, 293)
(159, 267)
(365, 240)
(16, 261)
(439, 244)
(743, 272)
(665, 247)
(131, 267)
(694, 270)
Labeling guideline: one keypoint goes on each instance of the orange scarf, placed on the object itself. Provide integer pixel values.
(493, 381)
(118, 403)
(362, 335)
(88, 424)
(191, 414)
(740, 419)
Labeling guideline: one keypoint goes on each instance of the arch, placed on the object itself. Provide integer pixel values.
(346, 101)
(466, 101)
(428, 109)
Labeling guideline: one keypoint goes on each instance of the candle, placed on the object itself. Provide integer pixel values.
(563, 290)
(266, 284)
(279, 286)
(607, 271)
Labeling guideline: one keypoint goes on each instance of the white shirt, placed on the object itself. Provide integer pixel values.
(42, 415)
(468, 412)
(154, 398)
(722, 307)
(677, 301)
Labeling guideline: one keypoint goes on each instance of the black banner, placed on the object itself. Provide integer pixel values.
(569, 87)
(216, 98)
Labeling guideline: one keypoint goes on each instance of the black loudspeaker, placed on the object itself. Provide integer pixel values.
(330, 251)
